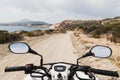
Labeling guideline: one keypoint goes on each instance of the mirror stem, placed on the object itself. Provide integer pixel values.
(86, 55)
(78, 60)
(41, 60)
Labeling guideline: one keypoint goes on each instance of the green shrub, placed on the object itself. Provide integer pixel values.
(90, 29)
(96, 36)
(4, 38)
(35, 33)
(3, 32)
(30, 34)
(48, 31)
(15, 37)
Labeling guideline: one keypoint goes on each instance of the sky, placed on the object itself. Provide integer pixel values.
(54, 11)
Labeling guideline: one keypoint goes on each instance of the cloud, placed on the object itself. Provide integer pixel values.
(57, 10)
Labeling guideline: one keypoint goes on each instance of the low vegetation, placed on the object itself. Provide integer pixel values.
(59, 30)
(96, 28)
(6, 37)
(35, 33)
(112, 31)
(116, 60)
(39, 33)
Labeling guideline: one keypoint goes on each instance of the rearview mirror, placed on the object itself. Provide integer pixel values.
(101, 51)
(97, 51)
(19, 47)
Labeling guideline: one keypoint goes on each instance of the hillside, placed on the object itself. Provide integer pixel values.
(114, 20)
(110, 27)
(78, 23)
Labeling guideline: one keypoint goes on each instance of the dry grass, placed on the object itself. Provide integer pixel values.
(85, 41)
(116, 60)
(3, 50)
(117, 64)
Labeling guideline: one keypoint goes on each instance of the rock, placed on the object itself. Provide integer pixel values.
(3, 32)
(19, 32)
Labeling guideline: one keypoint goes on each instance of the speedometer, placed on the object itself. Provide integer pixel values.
(60, 68)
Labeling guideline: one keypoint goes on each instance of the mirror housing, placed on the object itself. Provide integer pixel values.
(19, 48)
(98, 51)
(101, 51)
(22, 48)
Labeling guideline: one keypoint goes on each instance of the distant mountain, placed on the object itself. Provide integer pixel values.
(25, 22)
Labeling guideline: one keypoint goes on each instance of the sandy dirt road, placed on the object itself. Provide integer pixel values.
(55, 48)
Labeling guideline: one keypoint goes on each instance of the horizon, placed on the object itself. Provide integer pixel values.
(52, 11)
(56, 22)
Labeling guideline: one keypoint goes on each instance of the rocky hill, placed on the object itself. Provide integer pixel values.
(76, 23)
(96, 28)
(114, 20)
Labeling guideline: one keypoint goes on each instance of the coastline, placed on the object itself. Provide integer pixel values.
(25, 28)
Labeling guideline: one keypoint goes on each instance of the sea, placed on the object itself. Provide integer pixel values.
(17, 28)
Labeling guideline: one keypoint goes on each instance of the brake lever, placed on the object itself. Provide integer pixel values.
(42, 77)
(37, 73)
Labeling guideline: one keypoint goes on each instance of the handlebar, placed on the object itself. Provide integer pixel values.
(28, 68)
(105, 72)
(98, 71)
(16, 68)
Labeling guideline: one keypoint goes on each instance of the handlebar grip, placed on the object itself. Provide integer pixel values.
(16, 68)
(105, 72)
